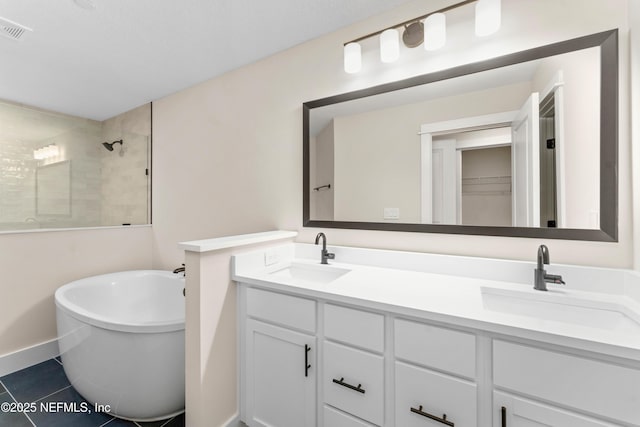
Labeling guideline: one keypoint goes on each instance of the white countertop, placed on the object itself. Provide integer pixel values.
(466, 302)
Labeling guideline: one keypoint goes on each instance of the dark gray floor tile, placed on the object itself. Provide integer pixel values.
(12, 419)
(151, 423)
(36, 382)
(176, 422)
(71, 416)
(2, 389)
(117, 422)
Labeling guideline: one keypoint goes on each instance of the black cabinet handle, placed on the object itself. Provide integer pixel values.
(442, 420)
(306, 360)
(341, 382)
(504, 416)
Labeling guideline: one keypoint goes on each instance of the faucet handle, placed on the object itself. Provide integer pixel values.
(554, 278)
(330, 255)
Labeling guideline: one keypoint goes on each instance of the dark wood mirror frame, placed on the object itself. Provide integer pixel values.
(608, 43)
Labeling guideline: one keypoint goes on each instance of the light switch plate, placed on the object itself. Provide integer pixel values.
(391, 213)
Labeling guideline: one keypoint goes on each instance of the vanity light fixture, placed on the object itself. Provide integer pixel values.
(352, 58)
(389, 45)
(46, 152)
(432, 33)
(435, 31)
(488, 17)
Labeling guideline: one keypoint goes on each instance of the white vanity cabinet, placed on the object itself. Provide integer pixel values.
(279, 360)
(311, 361)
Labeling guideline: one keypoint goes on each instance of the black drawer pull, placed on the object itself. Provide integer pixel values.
(306, 360)
(442, 420)
(504, 416)
(359, 389)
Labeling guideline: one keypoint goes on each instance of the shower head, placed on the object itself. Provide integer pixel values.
(109, 145)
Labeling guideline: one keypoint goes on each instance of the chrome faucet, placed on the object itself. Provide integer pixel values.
(541, 278)
(324, 254)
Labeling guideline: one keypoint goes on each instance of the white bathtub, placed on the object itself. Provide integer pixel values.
(121, 340)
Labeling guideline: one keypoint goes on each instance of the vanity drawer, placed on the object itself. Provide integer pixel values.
(354, 327)
(590, 385)
(335, 418)
(439, 348)
(287, 310)
(347, 368)
(438, 395)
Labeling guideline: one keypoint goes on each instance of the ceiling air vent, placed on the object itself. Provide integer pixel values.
(11, 29)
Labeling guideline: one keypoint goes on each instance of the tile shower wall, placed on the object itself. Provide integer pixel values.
(81, 146)
(25, 129)
(125, 182)
(17, 183)
(103, 188)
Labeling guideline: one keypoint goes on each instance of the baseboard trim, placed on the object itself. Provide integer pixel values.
(29, 356)
(234, 421)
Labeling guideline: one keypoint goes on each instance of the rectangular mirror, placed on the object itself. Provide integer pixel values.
(520, 145)
(61, 171)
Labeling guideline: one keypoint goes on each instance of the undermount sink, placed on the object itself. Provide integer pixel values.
(558, 307)
(310, 273)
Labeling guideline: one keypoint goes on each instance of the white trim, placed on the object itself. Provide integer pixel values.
(556, 81)
(234, 421)
(29, 356)
(469, 123)
(486, 142)
(226, 242)
(426, 179)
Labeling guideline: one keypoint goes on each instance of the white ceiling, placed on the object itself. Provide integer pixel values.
(101, 62)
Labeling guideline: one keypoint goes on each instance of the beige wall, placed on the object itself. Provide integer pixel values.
(35, 264)
(322, 173)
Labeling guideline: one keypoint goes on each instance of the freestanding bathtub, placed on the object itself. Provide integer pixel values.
(121, 339)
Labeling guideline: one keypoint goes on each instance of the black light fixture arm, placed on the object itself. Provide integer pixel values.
(410, 21)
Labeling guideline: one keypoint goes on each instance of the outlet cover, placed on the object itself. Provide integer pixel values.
(270, 257)
(391, 213)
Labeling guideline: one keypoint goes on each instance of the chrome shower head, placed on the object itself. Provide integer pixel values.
(109, 146)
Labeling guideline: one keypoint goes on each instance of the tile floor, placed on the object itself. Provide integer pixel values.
(46, 382)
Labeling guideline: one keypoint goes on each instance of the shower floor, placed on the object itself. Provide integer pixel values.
(47, 383)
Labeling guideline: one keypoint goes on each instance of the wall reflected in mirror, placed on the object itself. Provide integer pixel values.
(516, 146)
(57, 172)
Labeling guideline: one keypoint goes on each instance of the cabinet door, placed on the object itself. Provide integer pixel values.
(512, 411)
(280, 377)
